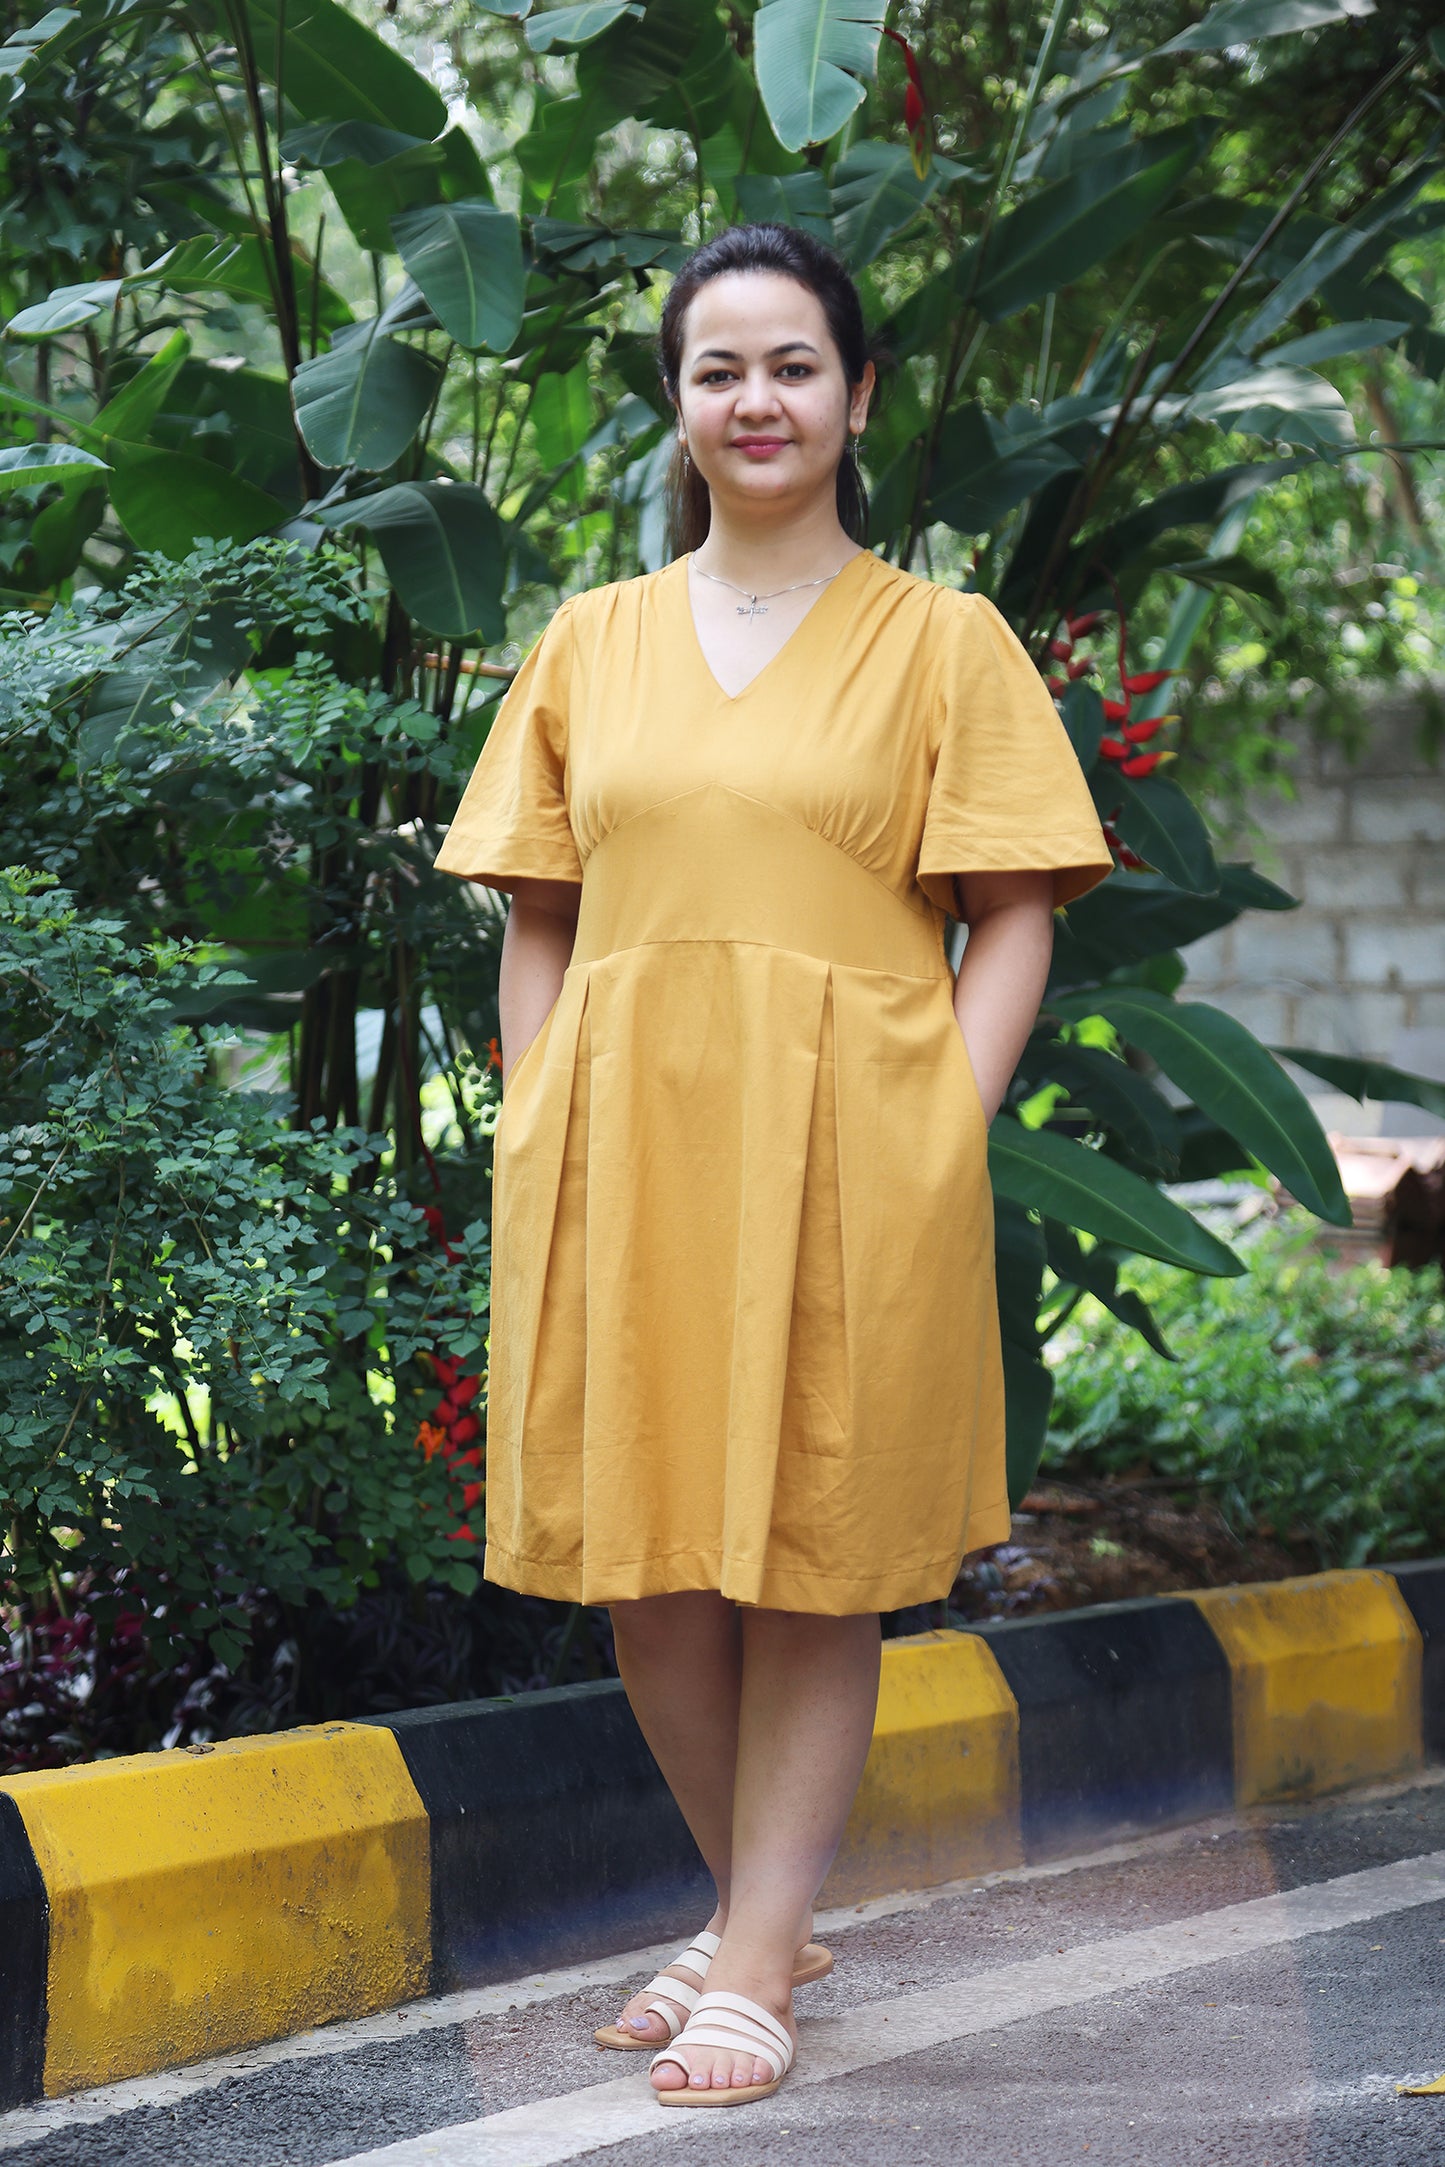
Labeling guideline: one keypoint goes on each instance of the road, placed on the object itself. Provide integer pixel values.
(1244, 1993)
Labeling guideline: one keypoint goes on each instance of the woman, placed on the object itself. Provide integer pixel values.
(745, 1372)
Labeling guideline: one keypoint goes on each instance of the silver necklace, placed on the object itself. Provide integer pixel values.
(757, 605)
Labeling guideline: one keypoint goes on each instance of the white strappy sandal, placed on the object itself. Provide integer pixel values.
(744, 2027)
(811, 1962)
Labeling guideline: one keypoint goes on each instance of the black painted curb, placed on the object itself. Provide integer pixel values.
(1125, 1721)
(553, 1835)
(1422, 1585)
(24, 1954)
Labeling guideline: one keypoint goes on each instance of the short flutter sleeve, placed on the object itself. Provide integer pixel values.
(1007, 793)
(512, 823)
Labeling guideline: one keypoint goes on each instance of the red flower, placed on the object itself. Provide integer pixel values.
(1146, 681)
(1113, 748)
(1116, 710)
(464, 1431)
(1078, 626)
(915, 108)
(1140, 763)
(494, 1056)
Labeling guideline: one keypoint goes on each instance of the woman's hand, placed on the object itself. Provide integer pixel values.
(536, 949)
(1004, 971)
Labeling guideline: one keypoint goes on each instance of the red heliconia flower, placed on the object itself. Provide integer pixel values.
(1080, 667)
(1057, 685)
(1079, 626)
(1141, 763)
(463, 1392)
(446, 1369)
(1146, 681)
(915, 108)
(1128, 858)
(463, 1432)
(1116, 710)
(471, 1492)
(1061, 649)
(1113, 748)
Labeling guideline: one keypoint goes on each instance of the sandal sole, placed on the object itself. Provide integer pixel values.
(738, 2096)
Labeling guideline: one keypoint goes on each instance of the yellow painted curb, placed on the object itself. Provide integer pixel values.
(203, 1900)
(940, 1793)
(1326, 1682)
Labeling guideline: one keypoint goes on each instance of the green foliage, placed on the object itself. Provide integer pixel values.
(1128, 337)
(208, 1352)
(1307, 1397)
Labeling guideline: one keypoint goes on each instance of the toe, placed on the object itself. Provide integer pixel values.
(740, 2074)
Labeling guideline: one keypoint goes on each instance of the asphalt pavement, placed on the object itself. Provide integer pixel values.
(1247, 1992)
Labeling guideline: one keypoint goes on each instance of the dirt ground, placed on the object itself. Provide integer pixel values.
(1101, 1541)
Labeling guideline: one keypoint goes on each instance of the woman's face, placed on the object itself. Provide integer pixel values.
(763, 405)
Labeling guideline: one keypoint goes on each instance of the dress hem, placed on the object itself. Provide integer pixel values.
(688, 1571)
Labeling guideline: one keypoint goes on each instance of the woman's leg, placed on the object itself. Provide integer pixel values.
(680, 1657)
(808, 1701)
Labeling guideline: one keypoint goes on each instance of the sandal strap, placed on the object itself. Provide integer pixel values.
(698, 1954)
(734, 2022)
(675, 1991)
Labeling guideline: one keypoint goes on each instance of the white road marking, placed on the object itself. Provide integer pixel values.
(553, 2130)
(26, 2125)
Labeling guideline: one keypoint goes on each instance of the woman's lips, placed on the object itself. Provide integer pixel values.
(760, 447)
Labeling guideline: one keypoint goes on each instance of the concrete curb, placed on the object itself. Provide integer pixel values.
(172, 1906)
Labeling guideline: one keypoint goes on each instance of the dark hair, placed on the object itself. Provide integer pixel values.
(790, 253)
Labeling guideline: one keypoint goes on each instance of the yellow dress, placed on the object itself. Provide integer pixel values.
(744, 1328)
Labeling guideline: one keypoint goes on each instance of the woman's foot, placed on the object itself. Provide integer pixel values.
(722, 2068)
(646, 2025)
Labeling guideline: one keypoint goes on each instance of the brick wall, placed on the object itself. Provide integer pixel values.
(1359, 968)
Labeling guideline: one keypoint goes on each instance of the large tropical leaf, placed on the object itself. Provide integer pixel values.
(1156, 819)
(876, 195)
(813, 59)
(556, 29)
(363, 402)
(1369, 1079)
(1234, 1080)
(467, 260)
(983, 470)
(335, 68)
(1241, 22)
(65, 309)
(1096, 1270)
(27, 466)
(132, 412)
(167, 500)
(444, 552)
(236, 265)
(1136, 915)
(1067, 227)
(1028, 1381)
(1118, 1098)
(1292, 406)
(1069, 1182)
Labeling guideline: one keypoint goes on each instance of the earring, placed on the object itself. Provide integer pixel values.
(686, 459)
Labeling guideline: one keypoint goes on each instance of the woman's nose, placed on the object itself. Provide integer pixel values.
(757, 393)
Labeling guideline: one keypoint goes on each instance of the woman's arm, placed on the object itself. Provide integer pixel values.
(1004, 970)
(536, 950)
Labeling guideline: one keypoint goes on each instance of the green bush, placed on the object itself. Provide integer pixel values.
(211, 1322)
(1307, 1398)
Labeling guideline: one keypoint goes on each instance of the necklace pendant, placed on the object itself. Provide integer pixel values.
(752, 607)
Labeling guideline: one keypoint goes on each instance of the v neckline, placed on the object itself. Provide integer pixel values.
(731, 699)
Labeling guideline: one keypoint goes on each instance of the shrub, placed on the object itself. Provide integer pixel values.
(1308, 1397)
(213, 1324)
